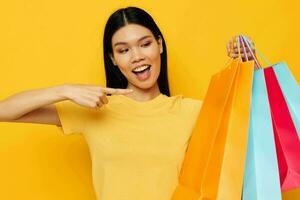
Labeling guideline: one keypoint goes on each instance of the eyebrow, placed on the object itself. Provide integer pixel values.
(119, 43)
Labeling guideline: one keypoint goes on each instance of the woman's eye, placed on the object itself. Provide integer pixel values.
(146, 44)
(123, 50)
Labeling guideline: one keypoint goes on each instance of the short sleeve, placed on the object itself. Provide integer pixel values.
(192, 107)
(72, 117)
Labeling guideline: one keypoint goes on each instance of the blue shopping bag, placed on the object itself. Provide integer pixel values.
(290, 89)
(261, 177)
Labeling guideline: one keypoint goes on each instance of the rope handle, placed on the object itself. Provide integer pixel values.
(249, 46)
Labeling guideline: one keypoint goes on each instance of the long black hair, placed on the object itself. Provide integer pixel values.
(120, 18)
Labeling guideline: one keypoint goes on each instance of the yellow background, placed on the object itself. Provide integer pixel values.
(44, 43)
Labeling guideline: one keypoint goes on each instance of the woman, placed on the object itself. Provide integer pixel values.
(138, 138)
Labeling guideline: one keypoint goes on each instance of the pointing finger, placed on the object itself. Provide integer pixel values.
(116, 90)
(104, 99)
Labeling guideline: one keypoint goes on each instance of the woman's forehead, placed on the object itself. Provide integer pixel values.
(131, 33)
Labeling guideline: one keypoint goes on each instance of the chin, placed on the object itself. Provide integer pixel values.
(145, 85)
(148, 84)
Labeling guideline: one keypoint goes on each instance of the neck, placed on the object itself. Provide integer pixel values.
(140, 94)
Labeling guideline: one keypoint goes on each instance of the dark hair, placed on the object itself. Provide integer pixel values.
(120, 18)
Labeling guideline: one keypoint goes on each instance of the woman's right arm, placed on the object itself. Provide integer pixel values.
(33, 105)
(36, 106)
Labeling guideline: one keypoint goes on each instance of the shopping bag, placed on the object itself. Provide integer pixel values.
(204, 133)
(284, 105)
(223, 178)
(289, 87)
(285, 133)
(291, 195)
(213, 166)
(261, 178)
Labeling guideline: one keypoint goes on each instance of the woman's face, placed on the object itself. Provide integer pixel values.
(134, 50)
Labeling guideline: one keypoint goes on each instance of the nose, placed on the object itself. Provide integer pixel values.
(137, 55)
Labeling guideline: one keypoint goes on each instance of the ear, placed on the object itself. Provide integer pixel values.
(160, 42)
(112, 59)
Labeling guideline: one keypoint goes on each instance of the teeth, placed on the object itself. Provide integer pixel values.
(138, 69)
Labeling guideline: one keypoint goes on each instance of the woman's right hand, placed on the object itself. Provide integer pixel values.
(91, 96)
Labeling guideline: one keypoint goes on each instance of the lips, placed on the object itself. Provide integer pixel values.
(141, 66)
(144, 74)
(142, 71)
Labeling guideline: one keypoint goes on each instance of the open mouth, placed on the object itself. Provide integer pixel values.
(142, 71)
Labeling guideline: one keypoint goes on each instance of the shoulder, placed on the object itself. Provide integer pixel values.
(191, 106)
(188, 105)
(191, 103)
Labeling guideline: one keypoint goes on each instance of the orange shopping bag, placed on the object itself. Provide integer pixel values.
(291, 195)
(213, 167)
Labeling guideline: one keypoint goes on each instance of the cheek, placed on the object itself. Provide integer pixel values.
(154, 53)
(123, 62)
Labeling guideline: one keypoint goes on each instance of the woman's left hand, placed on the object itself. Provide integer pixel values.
(232, 49)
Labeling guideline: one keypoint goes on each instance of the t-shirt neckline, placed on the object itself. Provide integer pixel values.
(156, 100)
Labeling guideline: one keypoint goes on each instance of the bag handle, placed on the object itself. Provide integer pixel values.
(244, 48)
(250, 47)
(245, 41)
(238, 46)
(241, 43)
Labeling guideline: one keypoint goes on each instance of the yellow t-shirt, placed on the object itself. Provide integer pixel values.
(137, 148)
